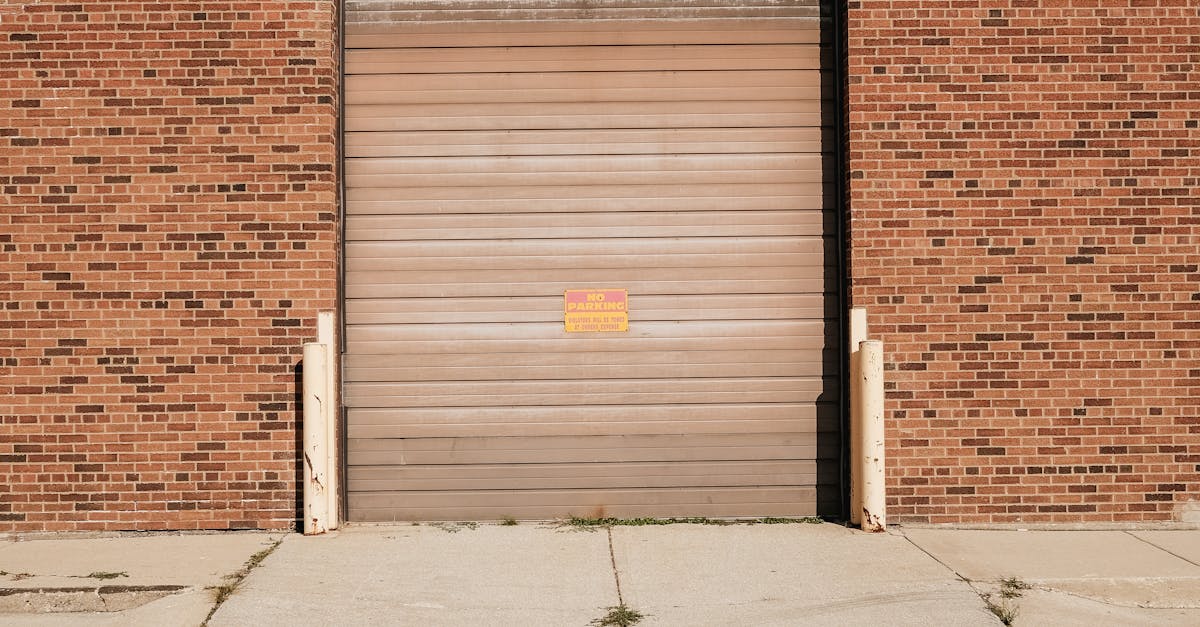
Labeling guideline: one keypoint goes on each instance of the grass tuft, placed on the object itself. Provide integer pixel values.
(805, 520)
(451, 527)
(619, 616)
(577, 522)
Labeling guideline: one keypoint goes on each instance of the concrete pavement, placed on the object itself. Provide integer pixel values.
(790, 574)
(119, 579)
(426, 575)
(1103, 577)
(544, 574)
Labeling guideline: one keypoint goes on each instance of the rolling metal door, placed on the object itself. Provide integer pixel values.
(500, 154)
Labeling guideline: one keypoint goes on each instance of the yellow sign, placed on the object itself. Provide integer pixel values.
(596, 311)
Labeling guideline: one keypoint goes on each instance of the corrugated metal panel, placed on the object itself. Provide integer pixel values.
(502, 152)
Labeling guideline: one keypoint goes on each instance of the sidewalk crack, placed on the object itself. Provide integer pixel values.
(616, 574)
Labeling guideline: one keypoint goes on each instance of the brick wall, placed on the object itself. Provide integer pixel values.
(1026, 236)
(167, 236)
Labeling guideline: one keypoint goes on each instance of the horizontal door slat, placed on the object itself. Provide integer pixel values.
(615, 443)
(548, 420)
(356, 396)
(781, 219)
(822, 285)
(364, 233)
(487, 391)
(543, 13)
(442, 101)
(500, 206)
(537, 330)
(585, 84)
(541, 505)
(547, 453)
(589, 193)
(584, 121)
(500, 279)
(581, 476)
(803, 305)
(547, 262)
(648, 372)
(560, 86)
(656, 164)
(825, 413)
(589, 247)
(582, 111)
(361, 32)
(503, 363)
(355, 9)
(582, 58)
(736, 424)
(549, 309)
(484, 143)
(461, 180)
(584, 342)
(414, 35)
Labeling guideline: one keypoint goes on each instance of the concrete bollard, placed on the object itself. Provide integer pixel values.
(872, 437)
(858, 334)
(315, 460)
(327, 335)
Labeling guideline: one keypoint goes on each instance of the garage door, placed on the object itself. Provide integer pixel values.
(499, 155)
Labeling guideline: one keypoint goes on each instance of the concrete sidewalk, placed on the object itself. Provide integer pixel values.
(1084, 578)
(542, 574)
(119, 579)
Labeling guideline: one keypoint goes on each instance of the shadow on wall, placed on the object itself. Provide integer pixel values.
(833, 412)
(298, 445)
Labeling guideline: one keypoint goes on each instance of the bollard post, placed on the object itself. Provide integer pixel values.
(858, 334)
(315, 461)
(872, 437)
(327, 335)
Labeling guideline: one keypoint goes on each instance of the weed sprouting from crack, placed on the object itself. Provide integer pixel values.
(804, 520)
(508, 521)
(618, 616)
(15, 576)
(107, 575)
(1013, 588)
(450, 527)
(1005, 608)
(233, 580)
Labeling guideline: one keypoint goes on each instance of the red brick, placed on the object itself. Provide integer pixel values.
(144, 327)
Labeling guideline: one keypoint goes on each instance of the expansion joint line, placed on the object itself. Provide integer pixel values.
(1168, 552)
(970, 584)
